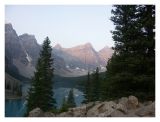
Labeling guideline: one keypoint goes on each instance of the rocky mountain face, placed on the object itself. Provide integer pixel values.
(123, 107)
(23, 51)
(13, 48)
(15, 55)
(84, 57)
(105, 54)
(31, 47)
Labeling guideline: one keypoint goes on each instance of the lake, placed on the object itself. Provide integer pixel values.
(17, 107)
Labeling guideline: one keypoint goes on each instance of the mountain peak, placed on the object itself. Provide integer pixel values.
(28, 39)
(106, 48)
(58, 46)
(9, 29)
(88, 44)
(8, 24)
(28, 35)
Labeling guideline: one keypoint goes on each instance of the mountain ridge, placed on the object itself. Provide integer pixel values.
(74, 61)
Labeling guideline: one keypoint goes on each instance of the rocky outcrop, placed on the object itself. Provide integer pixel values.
(37, 112)
(145, 111)
(124, 107)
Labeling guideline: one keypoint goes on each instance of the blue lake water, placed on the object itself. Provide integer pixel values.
(17, 107)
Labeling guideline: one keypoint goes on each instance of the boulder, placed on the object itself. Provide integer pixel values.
(147, 103)
(122, 108)
(66, 114)
(132, 102)
(103, 109)
(79, 111)
(49, 114)
(123, 101)
(37, 112)
(89, 105)
(140, 105)
(146, 111)
(117, 113)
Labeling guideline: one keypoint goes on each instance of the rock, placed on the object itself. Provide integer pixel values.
(97, 102)
(146, 111)
(123, 101)
(103, 109)
(132, 102)
(131, 115)
(89, 105)
(122, 108)
(140, 105)
(117, 113)
(37, 112)
(49, 114)
(66, 114)
(79, 111)
(147, 103)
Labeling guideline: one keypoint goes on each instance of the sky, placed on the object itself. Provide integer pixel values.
(67, 25)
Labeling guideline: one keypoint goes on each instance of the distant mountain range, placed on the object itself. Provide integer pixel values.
(22, 52)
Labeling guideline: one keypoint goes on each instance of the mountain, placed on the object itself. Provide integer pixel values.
(15, 55)
(84, 56)
(13, 48)
(22, 52)
(105, 54)
(31, 47)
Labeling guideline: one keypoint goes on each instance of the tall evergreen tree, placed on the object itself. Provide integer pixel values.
(71, 101)
(64, 106)
(131, 70)
(87, 90)
(95, 86)
(41, 91)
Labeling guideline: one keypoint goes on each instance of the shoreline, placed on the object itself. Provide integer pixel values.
(13, 97)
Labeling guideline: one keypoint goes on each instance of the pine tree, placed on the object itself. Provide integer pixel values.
(96, 85)
(87, 91)
(41, 91)
(64, 106)
(71, 101)
(131, 70)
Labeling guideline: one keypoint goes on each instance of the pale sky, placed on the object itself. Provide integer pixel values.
(67, 25)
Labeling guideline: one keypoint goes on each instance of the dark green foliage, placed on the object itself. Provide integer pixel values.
(87, 91)
(131, 70)
(64, 107)
(93, 89)
(70, 101)
(19, 90)
(41, 94)
(95, 95)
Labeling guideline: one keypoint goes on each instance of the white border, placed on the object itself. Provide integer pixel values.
(79, 2)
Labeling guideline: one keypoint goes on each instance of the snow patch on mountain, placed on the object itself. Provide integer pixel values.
(67, 66)
(28, 58)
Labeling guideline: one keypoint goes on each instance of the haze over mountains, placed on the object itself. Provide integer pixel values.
(22, 52)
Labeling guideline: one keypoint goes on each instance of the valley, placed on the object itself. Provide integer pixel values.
(71, 68)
